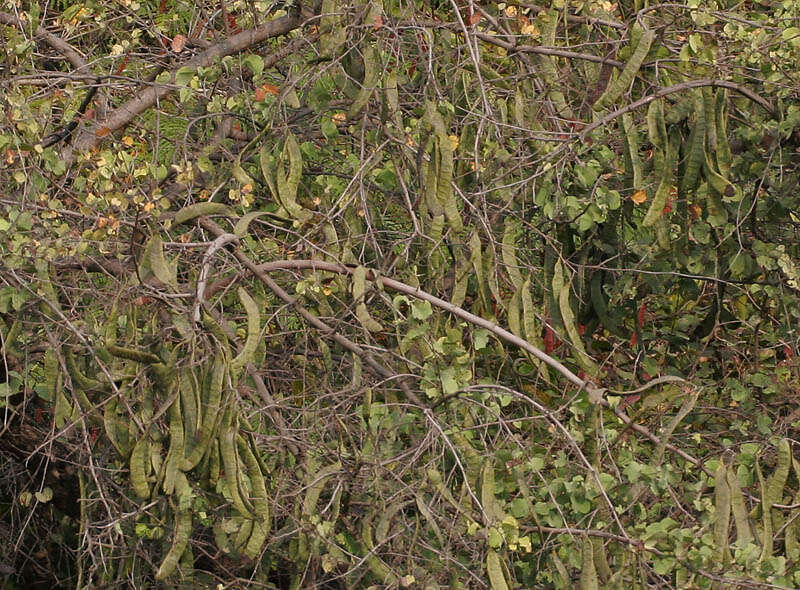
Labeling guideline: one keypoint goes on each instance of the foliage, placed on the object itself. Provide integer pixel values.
(400, 294)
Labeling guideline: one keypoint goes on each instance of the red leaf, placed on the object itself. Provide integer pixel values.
(634, 339)
(549, 339)
(473, 18)
(178, 43)
(642, 313)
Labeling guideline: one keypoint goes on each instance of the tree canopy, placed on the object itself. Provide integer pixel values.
(399, 294)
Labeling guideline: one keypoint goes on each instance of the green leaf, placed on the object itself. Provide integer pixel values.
(184, 75)
(255, 63)
(421, 310)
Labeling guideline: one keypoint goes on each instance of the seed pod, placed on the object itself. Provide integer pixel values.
(183, 529)
(623, 81)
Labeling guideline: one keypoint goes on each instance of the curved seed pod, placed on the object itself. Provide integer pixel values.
(205, 208)
(243, 534)
(530, 325)
(140, 466)
(744, 533)
(382, 528)
(241, 227)
(792, 530)
(230, 460)
(707, 94)
(183, 529)
(359, 288)
(164, 271)
(444, 187)
(589, 580)
(10, 337)
(131, 354)
(257, 539)
(568, 317)
(315, 488)
(115, 428)
(176, 446)
(717, 182)
(190, 402)
(656, 127)
(723, 151)
(512, 311)
(375, 565)
(78, 378)
(214, 463)
(601, 560)
(497, 579)
(253, 331)
(662, 170)
(488, 500)
(766, 515)
(212, 412)
(777, 481)
(722, 519)
(632, 149)
(599, 304)
(257, 484)
(288, 183)
(511, 230)
(368, 87)
(696, 153)
(213, 326)
(680, 111)
(615, 89)
(548, 67)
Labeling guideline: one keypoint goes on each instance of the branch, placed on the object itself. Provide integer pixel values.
(595, 393)
(314, 321)
(57, 43)
(89, 137)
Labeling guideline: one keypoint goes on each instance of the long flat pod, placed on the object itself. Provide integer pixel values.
(183, 529)
(623, 81)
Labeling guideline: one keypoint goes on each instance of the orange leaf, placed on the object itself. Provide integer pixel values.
(474, 18)
(102, 132)
(178, 43)
(642, 315)
(639, 197)
(695, 211)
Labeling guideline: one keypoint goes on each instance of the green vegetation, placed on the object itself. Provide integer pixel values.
(399, 294)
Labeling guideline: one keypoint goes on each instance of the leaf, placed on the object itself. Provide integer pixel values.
(178, 43)
(255, 63)
(45, 495)
(421, 310)
(184, 75)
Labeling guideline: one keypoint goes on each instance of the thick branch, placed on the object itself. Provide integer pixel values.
(57, 43)
(88, 137)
